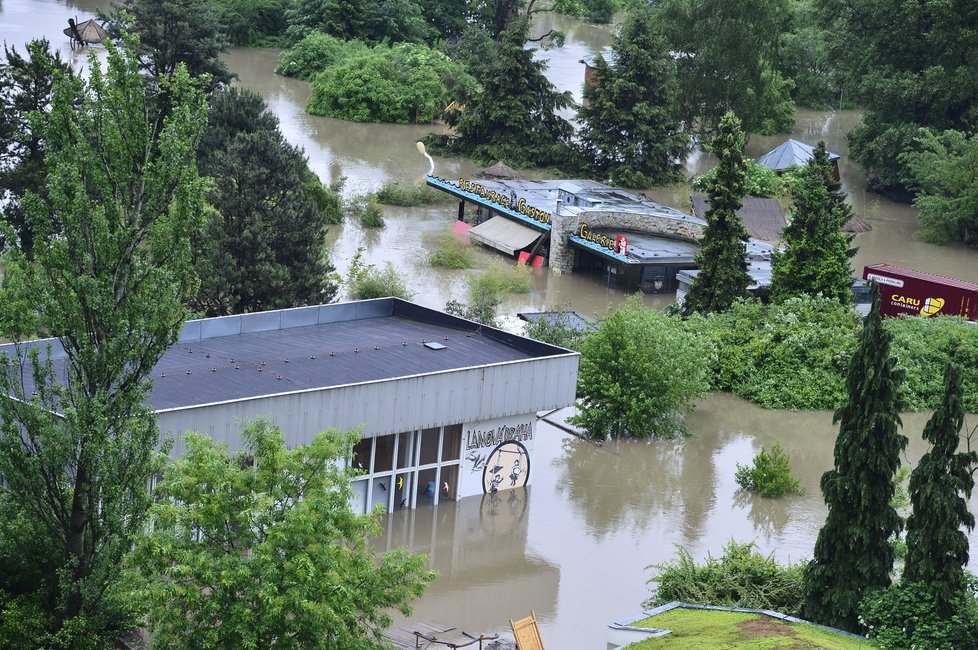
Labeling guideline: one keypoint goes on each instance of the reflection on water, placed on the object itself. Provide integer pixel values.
(578, 550)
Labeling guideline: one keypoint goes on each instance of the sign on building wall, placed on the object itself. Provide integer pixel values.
(496, 455)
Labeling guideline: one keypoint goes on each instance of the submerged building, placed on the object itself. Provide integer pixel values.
(446, 408)
(585, 226)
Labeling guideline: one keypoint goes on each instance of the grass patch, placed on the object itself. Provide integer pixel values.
(410, 196)
(450, 251)
(697, 629)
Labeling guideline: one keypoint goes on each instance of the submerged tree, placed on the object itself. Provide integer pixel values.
(78, 442)
(296, 566)
(514, 118)
(264, 246)
(940, 486)
(632, 382)
(853, 555)
(722, 257)
(815, 258)
(632, 132)
(26, 90)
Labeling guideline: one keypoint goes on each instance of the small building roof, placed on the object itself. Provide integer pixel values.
(763, 218)
(790, 153)
(570, 319)
(307, 348)
(500, 171)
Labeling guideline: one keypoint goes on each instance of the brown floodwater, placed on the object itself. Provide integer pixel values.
(575, 546)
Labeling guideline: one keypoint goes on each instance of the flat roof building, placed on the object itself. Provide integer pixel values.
(446, 407)
(583, 225)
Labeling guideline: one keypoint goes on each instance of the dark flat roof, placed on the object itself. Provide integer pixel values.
(255, 355)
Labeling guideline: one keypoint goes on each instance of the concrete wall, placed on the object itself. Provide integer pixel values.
(565, 225)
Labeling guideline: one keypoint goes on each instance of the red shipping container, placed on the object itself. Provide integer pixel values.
(905, 292)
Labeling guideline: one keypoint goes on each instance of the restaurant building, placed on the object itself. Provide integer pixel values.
(446, 408)
(629, 240)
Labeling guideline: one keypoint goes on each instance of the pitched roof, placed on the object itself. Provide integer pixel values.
(763, 218)
(791, 152)
(500, 171)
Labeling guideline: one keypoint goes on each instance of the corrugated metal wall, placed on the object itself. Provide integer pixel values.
(391, 406)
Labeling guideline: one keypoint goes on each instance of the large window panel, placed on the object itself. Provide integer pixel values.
(429, 446)
(384, 454)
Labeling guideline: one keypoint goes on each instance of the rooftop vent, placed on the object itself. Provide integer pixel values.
(434, 345)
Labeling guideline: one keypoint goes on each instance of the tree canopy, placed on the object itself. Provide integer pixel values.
(112, 271)
(515, 115)
(264, 246)
(632, 381)
(853, 555)
(937, 548)
(26, 92)
(722, 257)
(261, 549)
(815, 257)
(725, 53)
(632, 132)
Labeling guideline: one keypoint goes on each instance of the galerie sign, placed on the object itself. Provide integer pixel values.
(617, 244)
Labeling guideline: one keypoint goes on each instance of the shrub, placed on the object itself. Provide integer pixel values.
(741, 577)
(365, 281)
(410, 196)
(327, 199)
(556, 332)
(499, 278)
(407, 83)
(924, 346)
(450, 251)
(367, 211)
(792, 355)
(317, 52)
(770, 475)
(906, 616)
(638, 372)
(761, 181)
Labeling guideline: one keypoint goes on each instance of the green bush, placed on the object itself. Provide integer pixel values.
(741, 577)
(923, 346)
(317, 52)
(499, 278)
(761, 181)
(906, 616)
(406, 83)
(367, 211)
(410, 196)
(792, 355)
(598, 11)
(449, 251)
(632, 381)
(557, 332)
(365, 281)
(770, 474)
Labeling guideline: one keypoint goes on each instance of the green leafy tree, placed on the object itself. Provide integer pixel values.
(815, 257)
(407, 83)
(260, 549)
(264, 246)
(722, 257)
(912, 65)
(941, 484)
(317, 52)
(26, 91)
(629, 384)
(944, 173)
(632, 131)
(724, 52)
(770, 474)
(514, 117)
(172, 32)
(853, 556)
(906, 615)
(77, 440)
(374, 21)
(252, 22)
(804, 58)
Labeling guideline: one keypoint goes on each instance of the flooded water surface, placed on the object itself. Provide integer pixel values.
(575, 545)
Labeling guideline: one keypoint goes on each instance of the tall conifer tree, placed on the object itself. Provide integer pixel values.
(816, 254)
(937, 548)
(722, 260)
(853, 555)
(632, 132)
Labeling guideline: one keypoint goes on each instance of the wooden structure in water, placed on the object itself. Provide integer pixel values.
(84, 33)
(527, 632)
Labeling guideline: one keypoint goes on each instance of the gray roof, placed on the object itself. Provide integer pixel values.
(790, 153)
(254, 355)
(570, 319)
(763, 218)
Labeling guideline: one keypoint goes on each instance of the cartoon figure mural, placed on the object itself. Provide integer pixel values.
(510, 459)
(478, 461)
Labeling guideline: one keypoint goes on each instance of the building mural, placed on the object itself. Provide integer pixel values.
(496, 454)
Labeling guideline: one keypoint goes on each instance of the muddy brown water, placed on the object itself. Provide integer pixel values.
(575, 545)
